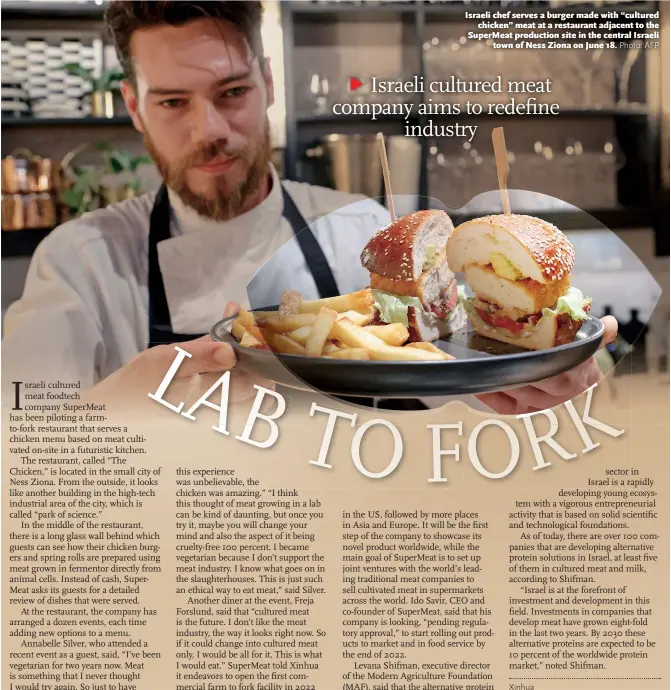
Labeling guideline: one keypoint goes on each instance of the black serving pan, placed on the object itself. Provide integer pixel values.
(481, 366)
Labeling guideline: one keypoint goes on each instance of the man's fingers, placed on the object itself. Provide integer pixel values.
(206, 356)
(534, 397)
(610, 325)
(501, 403)
(231, 309)
(572, 383)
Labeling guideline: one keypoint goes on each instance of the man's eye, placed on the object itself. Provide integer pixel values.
(236, 91)
(173, 103)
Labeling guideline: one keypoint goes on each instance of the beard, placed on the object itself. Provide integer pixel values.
(222, 201)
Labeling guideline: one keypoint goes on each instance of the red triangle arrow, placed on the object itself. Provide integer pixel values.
(354, 83)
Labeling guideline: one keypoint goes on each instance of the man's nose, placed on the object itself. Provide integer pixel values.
(209, 124)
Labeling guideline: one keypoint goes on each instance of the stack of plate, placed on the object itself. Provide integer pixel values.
(59, 106)
(14, 98)
(37, 64)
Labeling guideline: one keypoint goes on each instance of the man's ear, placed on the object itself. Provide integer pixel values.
(268, 79)
(130, 99)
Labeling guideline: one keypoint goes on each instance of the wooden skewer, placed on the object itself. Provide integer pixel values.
(502, 166)
(385, 174)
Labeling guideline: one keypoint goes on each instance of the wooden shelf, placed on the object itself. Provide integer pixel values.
(446, 10)
(358, 119)
(22, 242)
(347, 11)
(609, 111)
(628, 112)
(327, 117)
(613, 219)
(66, 121)
(352, 5)
(27, 9)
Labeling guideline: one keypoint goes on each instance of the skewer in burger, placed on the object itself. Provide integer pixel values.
(410, 278)
(519, 269)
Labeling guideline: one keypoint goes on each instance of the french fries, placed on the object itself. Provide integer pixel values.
(358, 317)
(356, 336)
(249, 335)
(300, 335)
(391, 333)
(256, 332)
(330, 348)
(361, 301)
(335, 328)
(248, 340)
(245, 319)
(405, 354)
(430, 347)
(320, 332)
(283, 324)
(284, 345)
(238, 330)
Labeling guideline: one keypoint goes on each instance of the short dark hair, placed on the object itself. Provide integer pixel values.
(123, 17)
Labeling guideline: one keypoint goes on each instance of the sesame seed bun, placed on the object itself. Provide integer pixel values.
(537, 249)
(398, 251)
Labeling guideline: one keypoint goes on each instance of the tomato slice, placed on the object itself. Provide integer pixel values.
(492, 318)
(452, 296)
(500, 321)
(448, 301)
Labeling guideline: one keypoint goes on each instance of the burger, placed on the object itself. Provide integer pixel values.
(518, 268)
(411, 281)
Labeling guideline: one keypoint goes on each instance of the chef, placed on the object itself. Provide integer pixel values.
(159, 269)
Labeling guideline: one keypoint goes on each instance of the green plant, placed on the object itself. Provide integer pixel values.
(109, 80)
(84, 194)
(122, 161)
(87, 191)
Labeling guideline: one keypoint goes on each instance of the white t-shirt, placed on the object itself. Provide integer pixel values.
(84, 309)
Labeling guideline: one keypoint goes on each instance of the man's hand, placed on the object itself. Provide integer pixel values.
(551, 392)
(143, 374)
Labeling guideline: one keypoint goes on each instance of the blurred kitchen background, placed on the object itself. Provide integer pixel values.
(68, 145)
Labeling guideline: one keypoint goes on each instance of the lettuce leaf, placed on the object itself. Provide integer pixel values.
(572, 303)
(394, 308)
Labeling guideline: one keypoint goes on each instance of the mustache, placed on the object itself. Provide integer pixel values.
(206, 153)
(223, 199)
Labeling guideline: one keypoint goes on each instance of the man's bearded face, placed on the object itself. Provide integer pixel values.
(200, 99)
(216, 193)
